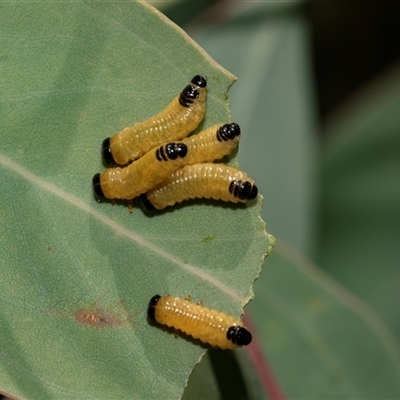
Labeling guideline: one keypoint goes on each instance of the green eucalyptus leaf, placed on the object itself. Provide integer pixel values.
(77, 275)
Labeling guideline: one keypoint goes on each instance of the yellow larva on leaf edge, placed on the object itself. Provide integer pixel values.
(212, 144)
(215, 181)
(214, 327)
(181, 116)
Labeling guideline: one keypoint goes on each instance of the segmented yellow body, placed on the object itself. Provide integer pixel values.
(146, 172)
(205, 146)
(140, 176)
(173, 123)
(197, 181)
(209, 326)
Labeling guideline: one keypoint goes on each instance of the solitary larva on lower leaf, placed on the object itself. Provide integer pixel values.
(215, 181)
(210, 326)
(182, 115)
(140, 176)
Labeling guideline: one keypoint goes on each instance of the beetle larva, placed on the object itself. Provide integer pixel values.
(215, 181)
(182, 115)
(212, 143)
(210, 326)
(140, 176)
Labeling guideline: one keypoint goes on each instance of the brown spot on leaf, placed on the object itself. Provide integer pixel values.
(97, 317)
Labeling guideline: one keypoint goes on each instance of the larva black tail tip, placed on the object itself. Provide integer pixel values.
(146, 204)
(239, 335)
(234, 129)
(228, 132)
(97, 190)
(200, 81)
(243, 338)
(245, 190)
(106, 154)
(253, 194)
(151, 309)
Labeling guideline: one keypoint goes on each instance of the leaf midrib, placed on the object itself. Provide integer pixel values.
(49, 187)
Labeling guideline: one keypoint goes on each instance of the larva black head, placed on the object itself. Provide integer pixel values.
(175, 150)
(171, 151)
(146, 204)
(106, 154)
(228, 132)
(200, 81)
(97, 190)
(151, 309)
(188, 95)
(239, 335)
(243, 190)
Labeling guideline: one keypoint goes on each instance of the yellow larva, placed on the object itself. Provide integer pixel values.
(215, 181)
(212, 144)
(150, 170)
(176, 121)
(140, 176)
(210, 326)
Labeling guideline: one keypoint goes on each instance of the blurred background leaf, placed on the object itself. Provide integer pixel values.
(321, 340)
(360, 235)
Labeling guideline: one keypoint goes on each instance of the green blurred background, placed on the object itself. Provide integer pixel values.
(318, 100)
